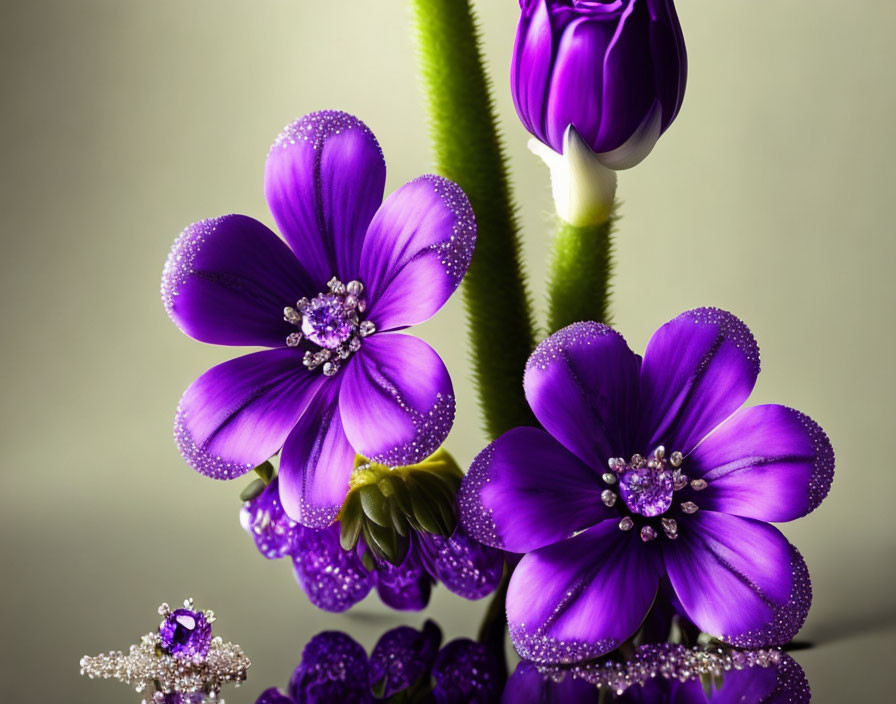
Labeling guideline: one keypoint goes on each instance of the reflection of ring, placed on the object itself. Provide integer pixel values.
(181, 661)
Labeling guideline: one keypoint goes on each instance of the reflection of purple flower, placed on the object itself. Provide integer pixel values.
(614, 70)
(665, 674)
(186, 634)
(466, 672)
(668, 429)
(353, 269)
(335, 668)
(335, 579)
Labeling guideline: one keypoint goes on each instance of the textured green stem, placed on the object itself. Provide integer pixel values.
(580, 274)
(468, 151)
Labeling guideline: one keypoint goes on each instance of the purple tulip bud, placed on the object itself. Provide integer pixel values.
(615, 70)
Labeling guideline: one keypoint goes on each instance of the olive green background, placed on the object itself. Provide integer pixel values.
(123, 121)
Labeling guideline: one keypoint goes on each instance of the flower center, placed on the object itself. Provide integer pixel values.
(647, 488)
(330, 325)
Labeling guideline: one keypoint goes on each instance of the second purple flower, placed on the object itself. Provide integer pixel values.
(337, 378)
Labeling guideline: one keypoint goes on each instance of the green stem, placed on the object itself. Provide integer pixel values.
(495, 619)
(468, 151)
(580, 274)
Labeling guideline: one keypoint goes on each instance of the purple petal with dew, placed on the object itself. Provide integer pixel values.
(402, 656)
(273, 696)
(528, 686)
(238, 414)
(465, 566)
(316, 462)
(526, 490)
(698, 369)
(334, 668)
(770, 462)
(406, 587)
(416, 251)
(739, 579)
(582, 384)
(334, 579)
(580, 598)
(396, 401)
(466, 671)
(324, 180)
(227, 281)
(275, 534)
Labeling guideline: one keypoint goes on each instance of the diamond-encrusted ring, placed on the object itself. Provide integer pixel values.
(178, 664)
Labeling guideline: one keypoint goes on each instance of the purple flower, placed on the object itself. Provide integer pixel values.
(338, 379)
(186, 634)
(699, 478)
(336, 579)
(615, 71)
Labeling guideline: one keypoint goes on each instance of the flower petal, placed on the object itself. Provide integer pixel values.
(526, 490)
(406, 587)
(770, 462)
(273, 696)
(402, 656)
(574, 96)
(466, 671)
(334, 579)
(397, 402)
(416, 251)
(324, 180)
(227, 280)
(582, 385)
(316, 462)
(333, 669)
(739, 579)
(530, 71)
(528, 686)
(670, 60)
(237, 414)
(581, 598)
(465, 566)
(275, 534)
(628, 90)
(698, 369)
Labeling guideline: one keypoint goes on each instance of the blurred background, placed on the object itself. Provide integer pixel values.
(124, 121)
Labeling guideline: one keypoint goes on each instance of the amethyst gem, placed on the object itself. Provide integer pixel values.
(615, 71)
(646, 490)
(690, 509)
(186, 634)
(326, 322)
(337, 378)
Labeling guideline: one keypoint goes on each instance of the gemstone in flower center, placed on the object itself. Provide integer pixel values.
(647, 490)
(331, 323)
(326, 321)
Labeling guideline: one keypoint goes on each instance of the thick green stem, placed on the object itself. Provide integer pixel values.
(580, 274)
(468, 151)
